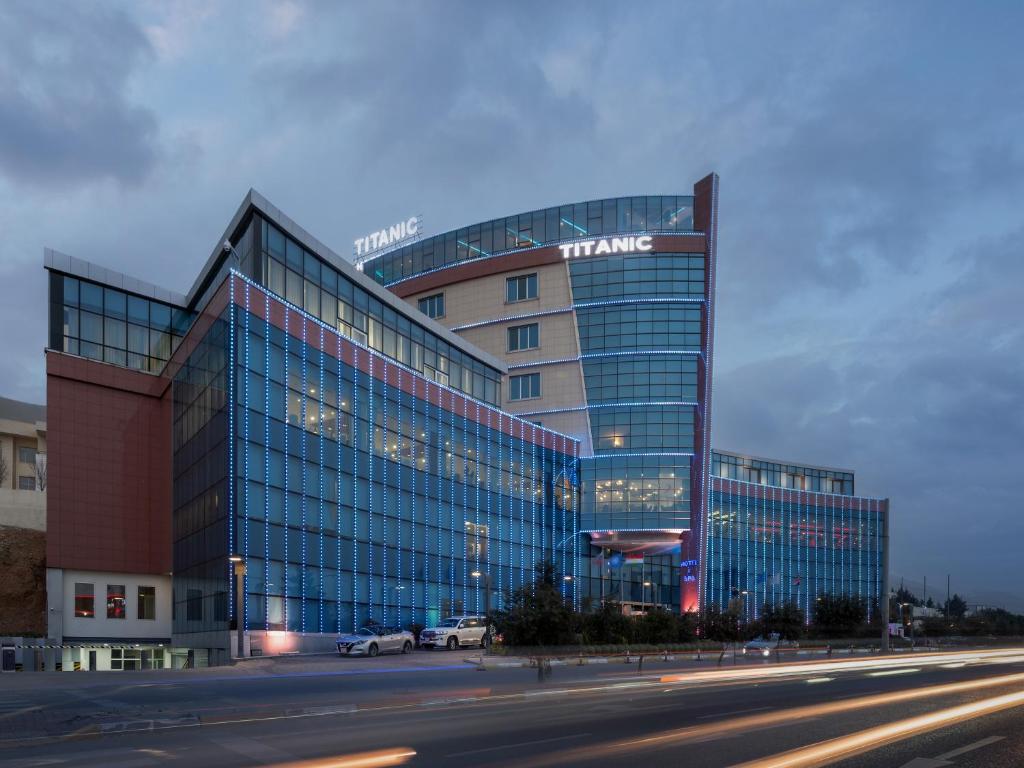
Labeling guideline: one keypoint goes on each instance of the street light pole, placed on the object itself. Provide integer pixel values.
(239, 575)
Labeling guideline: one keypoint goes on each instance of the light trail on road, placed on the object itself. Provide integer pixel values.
(827, 752)
(777, 718)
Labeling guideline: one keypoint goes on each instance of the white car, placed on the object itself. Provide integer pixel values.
(457, 632)
(762, 647)
(370, 641)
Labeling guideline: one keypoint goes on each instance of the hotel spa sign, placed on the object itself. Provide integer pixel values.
(607, 245)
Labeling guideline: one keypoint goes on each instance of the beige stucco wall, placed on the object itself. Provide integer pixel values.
(483, 299)
(15, 435)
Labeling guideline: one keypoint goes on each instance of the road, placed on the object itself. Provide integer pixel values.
(919, 711)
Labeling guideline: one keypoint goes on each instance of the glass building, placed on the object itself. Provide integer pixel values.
(317, 443)
(604, 313)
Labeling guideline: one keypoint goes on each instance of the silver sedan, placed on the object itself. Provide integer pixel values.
(370, 641)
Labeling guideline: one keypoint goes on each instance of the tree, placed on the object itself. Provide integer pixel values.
(956, 607)
(3, 468)
(716, 624)
(839, 615)
(536, 614)
(787, 620)
(41, 471)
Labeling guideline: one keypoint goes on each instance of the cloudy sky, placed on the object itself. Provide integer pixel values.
(871, 261)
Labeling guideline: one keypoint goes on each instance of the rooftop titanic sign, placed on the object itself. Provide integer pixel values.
(606, 245)
(364, 247)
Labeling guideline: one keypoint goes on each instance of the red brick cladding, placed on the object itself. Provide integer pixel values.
(109, 443)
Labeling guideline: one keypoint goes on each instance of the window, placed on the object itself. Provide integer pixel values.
(27, 455)
(26, 483)
(522, 337)
(115, 601)
(521, 288)
(524, 387)
(147, 603)
(432, 306)
(84, 601)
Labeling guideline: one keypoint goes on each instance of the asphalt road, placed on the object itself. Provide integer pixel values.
(922, 711)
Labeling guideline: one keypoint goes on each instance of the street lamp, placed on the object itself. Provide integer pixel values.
(238, 566)
(643, 597)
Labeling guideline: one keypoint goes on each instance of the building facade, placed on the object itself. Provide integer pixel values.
(298, 445)
(604, 313)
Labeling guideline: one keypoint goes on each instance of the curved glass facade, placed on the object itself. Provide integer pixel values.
(658, 213)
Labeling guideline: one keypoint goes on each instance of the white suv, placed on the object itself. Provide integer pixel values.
(456, 632)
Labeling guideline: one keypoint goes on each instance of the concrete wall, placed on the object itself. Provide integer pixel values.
(23, 509)
(66, 626)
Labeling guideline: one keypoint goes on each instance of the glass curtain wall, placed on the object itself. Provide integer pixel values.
(779, 545)
(363, 490)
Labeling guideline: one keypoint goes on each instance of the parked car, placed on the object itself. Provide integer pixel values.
(764, 647)
(458, 632)
(372, 640)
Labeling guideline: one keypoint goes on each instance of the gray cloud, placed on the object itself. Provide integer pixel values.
(64, 114)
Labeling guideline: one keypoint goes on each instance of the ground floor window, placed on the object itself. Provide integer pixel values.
(85, 601)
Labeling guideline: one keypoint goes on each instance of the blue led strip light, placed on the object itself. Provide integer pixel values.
(232, 472)
(534, 245)
(384, 391)
(591, 355)
(611, 405)
(441, 469)
(302, 479)
(488, 467)
(369, 495)
(337, 496)
(287, 395)
(465, 503)
(355, 489)
(320, 429)
(400, 439)
(451, 506)
(501, 495)
(533, 496)
(522, 503)
(266, 465)
(476, 531)
(640, 300)
(241, 623)
(574, 484)
(507, 318)
(750, 585)
(412, 506)
(621, 455)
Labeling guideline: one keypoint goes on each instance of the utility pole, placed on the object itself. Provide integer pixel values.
(883, 607)
(925, 598)
(947, 599)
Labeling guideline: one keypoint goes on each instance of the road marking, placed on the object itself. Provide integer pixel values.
(730, 714)
(520, 744)
(891, 672)
(969, 748)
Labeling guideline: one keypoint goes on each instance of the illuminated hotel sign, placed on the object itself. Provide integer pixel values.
(364, 247)
(607, 245)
